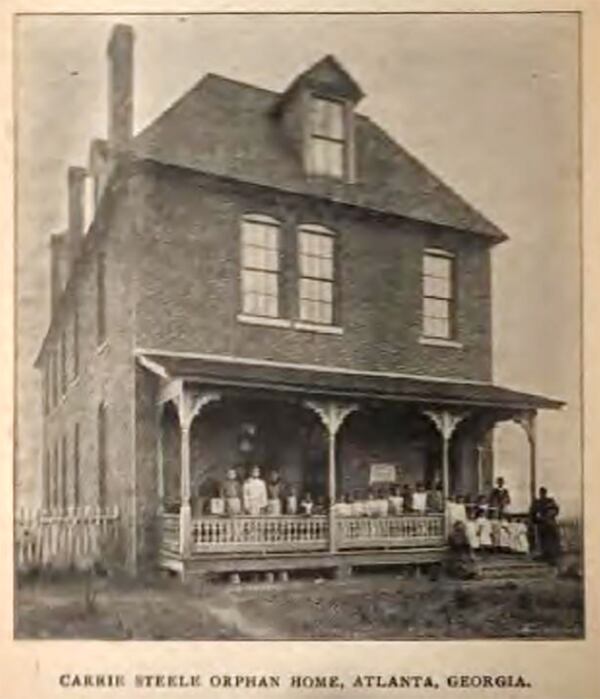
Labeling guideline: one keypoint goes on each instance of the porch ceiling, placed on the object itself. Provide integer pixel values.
(336, 381)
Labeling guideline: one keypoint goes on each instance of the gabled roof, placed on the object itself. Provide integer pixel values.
(327, 76)
(226, 128)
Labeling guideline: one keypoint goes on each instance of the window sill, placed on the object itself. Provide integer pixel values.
(440, 342)
(264, 320)
(316, 328)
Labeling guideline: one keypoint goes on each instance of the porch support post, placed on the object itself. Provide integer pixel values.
(332, 415)
(446, 423)
(528, 421)
(160, 461)
(189, 406)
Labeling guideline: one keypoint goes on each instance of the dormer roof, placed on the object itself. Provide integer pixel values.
(327, 78)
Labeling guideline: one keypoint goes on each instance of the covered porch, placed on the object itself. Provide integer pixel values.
(339, 436)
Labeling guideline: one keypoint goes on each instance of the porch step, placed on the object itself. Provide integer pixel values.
(506, 567)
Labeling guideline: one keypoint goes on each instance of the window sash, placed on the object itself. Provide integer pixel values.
(260, 267)
(317, 276)
(327, 157)
(438, 295)
(327, 119)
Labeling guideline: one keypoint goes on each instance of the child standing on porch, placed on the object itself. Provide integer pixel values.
(231, 492)
(484, 531)
(254, 493)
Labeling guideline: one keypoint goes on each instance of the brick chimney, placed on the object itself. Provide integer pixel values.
(59, 267)
(76, 203)
(120, 87)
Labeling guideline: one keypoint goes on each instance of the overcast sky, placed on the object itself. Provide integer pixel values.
(488, 102)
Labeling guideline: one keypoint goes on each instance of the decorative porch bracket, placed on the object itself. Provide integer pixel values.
(446, 423)
(528, 421)
(332, 414)
(189, 404)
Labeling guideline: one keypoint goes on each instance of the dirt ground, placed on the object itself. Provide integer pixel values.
(376, 606)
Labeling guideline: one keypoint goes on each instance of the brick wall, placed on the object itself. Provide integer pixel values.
(188, 266)
(105, 372)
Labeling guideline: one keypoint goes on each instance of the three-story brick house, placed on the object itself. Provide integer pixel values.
(264, 278)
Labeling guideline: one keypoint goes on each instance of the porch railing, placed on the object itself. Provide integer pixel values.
(367, 532)
(293, 533)
(259, 534)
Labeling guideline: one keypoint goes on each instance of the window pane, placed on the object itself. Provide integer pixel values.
(260, 264)
(434, 286)
(327, 118)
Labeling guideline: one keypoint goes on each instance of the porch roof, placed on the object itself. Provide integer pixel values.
(336, 381)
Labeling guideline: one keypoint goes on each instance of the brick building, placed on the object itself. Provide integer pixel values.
(266, 278)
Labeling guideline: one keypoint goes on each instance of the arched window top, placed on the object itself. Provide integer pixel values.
(261, 219)
(316, 228)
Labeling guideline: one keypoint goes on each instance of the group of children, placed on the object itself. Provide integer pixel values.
(489, 530)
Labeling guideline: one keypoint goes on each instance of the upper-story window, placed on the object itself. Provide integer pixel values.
(101, 298)
(327, 147)
(75, 342)
(438, 294)
(63, 363)
(260, 266)
(317, 273)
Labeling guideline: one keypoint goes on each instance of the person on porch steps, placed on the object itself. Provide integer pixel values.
(254, 493)
(500, 497)
(231, 492)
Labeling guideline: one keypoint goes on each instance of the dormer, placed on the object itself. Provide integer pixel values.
(317, 114)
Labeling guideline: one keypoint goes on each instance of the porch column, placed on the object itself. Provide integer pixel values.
(446, 423)
(332, 414)
(160, 460)
(189, 404)
(528, 421)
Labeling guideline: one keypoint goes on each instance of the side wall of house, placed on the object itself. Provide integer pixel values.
(105, 377)
(189, 269)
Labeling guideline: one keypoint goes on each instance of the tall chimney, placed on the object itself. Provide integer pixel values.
(76, 193)
(120, 87)
(59, 264)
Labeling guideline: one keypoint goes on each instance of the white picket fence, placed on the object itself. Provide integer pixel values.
(64, 539)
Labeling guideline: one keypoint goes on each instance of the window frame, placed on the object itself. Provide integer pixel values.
(313, 136)
(277, 274)
(100, 298)
(317, 229)
(449, 300)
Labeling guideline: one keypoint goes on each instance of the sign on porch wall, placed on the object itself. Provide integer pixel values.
(382, 473)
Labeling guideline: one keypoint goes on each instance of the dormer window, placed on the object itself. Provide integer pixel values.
(327, 138)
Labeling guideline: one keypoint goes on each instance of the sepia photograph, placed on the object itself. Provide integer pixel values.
(298, 327)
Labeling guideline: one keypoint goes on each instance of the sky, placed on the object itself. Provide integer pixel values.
(488, 102)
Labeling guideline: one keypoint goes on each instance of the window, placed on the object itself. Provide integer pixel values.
(75, 343)
(47, 482)
(101, 298)
(327, 137)
(260, 266)
(63, 473)
(76, 486)
(54, 376)
(316, 265)
(101, 455)
(63, 364)
(438, 294)
(54, 498)
(46, 387)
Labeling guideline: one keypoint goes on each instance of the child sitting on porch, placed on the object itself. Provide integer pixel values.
(395, 501)
(505, 535)
(496, 528)
(342, 506)
(307, 505)
(407, 498)
(358, 505)
(382, 503)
